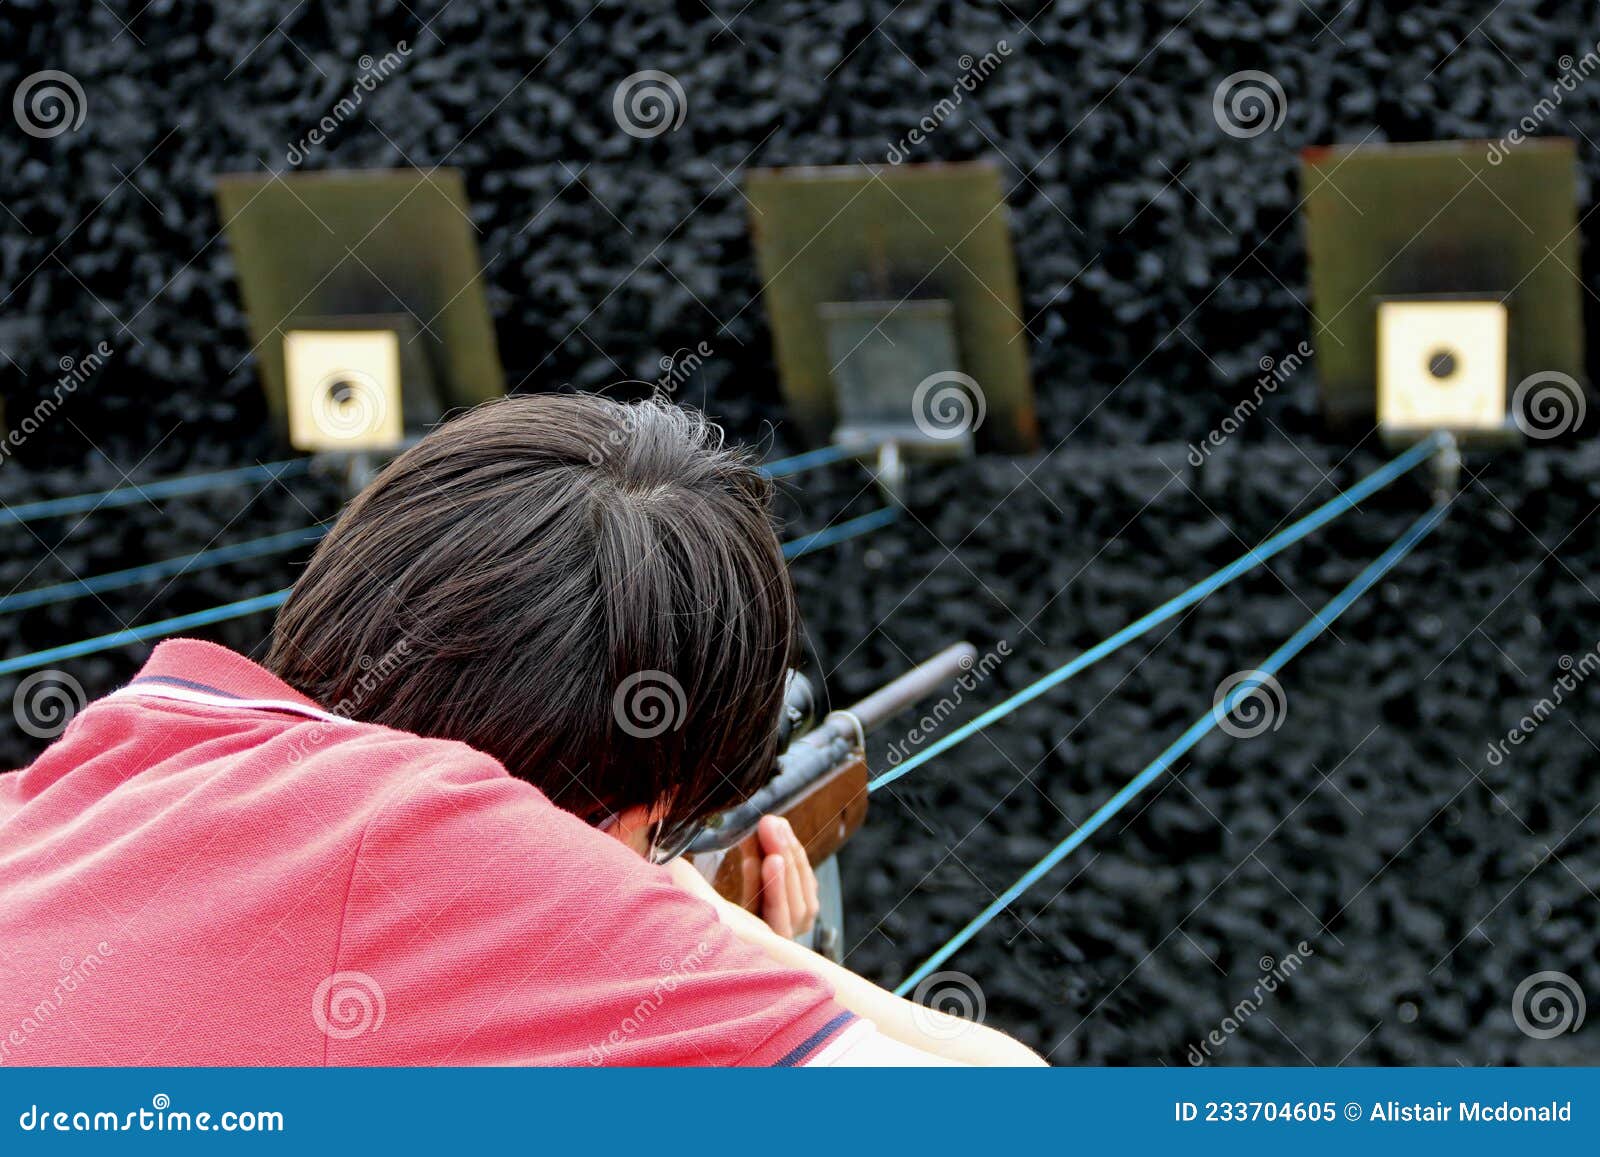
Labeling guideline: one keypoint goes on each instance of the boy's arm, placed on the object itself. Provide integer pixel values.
(924, 1029)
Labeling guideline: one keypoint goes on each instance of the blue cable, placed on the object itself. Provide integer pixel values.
(830, 535)
(145, 633)
(184, 564)
(1297, 642)
(166, 488)
(291, 467)
(822, 456)
(165, 627)
(1321, 516)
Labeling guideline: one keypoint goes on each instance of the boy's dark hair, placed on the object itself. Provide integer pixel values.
(590, 592)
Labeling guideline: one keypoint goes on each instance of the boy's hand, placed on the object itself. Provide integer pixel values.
(789, 901)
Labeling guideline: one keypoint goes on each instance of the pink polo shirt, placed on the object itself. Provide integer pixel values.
(208, 869)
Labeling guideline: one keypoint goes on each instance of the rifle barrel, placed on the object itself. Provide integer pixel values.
(831, 745)
(918, 683)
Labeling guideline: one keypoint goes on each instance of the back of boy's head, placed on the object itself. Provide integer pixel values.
(590, 592)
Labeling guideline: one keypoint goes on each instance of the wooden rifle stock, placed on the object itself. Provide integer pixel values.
(820, 786)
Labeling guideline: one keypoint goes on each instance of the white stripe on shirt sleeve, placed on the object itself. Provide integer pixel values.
(862, 1046)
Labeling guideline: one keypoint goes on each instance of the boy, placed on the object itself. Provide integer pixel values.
(538, 651)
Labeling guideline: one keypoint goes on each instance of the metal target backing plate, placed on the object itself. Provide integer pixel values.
(353, 244)
(888, 234)
(1457, 218)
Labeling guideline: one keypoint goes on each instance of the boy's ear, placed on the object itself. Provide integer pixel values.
(632, 827)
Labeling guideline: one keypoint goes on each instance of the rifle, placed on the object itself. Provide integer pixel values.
(820, 785)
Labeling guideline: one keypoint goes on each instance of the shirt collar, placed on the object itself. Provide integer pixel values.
(202, 666)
